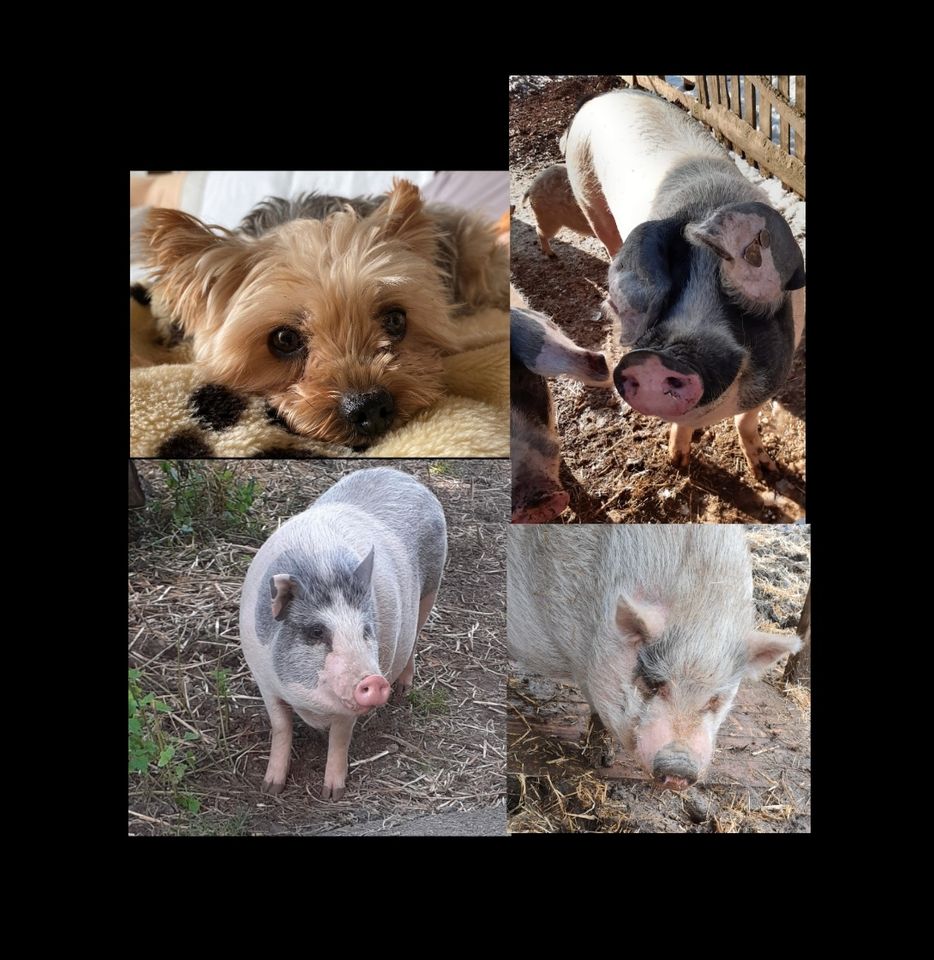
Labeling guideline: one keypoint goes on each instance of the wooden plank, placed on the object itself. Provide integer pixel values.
(703, 95)
(798, 668)
(725, 103)
(757, 145)
(736, 103)
(783, 128)
(714, 90)
(780, 102)
(799, 106)
(735, 98)
(724, 93)
(749, 100)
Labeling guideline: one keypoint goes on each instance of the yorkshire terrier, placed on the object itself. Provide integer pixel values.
(338, 311)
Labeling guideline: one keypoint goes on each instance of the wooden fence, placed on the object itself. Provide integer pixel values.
(739, 111)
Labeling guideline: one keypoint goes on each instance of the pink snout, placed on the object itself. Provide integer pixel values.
(372, 691)
(649, 386)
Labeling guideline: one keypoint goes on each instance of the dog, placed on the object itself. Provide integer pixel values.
(337, 311)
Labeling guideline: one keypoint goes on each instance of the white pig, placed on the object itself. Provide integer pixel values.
(332, 605)
(653, 623)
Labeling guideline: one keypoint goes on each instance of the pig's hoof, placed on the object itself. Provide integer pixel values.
(403, 688)
(763, 466)
(680, 459)
(332, 793)
(548, 507)
(272, 789)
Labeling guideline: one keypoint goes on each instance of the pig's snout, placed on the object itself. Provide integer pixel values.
(674, 768)
(649, 385)
(372, 691)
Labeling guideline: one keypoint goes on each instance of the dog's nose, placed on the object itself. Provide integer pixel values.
(371, 413)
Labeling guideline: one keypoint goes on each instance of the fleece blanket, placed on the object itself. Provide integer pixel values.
(175, 412)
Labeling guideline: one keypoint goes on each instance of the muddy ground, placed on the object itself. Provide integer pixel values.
(567, 775)
(615, 464)
(441, 751)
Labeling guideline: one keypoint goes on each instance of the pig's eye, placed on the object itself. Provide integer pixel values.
(316, 633)
(713, 704)
(655, 687)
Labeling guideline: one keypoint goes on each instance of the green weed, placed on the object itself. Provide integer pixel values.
(426, 702)
(156, 754)
(207, 495)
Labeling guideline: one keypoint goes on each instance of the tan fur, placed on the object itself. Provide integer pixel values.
(330, 280)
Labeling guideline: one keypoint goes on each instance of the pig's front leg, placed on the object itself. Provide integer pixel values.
(679, 445)
(280, 715)
(335, 771)
(747, 426)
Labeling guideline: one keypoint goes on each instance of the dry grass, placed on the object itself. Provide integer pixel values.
(443, 749)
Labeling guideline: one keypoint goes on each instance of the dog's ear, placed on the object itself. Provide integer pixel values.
(197, 268)
(402, 217)
(472, 256)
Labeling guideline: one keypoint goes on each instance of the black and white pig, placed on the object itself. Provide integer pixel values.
(653, 623)
(331, 607)
(707, 289)
(538, 349)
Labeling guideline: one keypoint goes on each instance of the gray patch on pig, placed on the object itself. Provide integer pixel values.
(678, 657)
(320, 582)
(695, 187)
(408, 508)
(526, 336)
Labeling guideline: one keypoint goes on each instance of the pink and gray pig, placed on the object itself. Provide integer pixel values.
(332, 605)
(653, 624)
(706, 281)
(538, 349)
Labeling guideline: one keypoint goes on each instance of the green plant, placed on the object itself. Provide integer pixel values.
(426, 702)
(439, 468)
(155, 752)
(207, 492)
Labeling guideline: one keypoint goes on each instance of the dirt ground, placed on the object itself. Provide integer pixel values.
(615, 464)
(441, 751)
(567, 775)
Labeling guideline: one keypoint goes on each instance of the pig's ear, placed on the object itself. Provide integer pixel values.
(765, 648)
(761, 258)
(364, 573)
(643, 275)
(640, 620)
(281, 588)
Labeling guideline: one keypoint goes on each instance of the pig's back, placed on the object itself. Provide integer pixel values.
(564, 584)
(632, 140)
(405, 507)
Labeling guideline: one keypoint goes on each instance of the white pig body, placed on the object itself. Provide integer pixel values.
(653, 623)
(332, 605)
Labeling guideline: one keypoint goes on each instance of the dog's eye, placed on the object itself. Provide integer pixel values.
(394, 323)
(286, 342)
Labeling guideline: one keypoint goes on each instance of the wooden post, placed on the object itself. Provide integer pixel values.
(799, 106)
(783, 128)
(765, 120)
(736, 105)
(137, 497)
(749, 113)
(798, 668)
